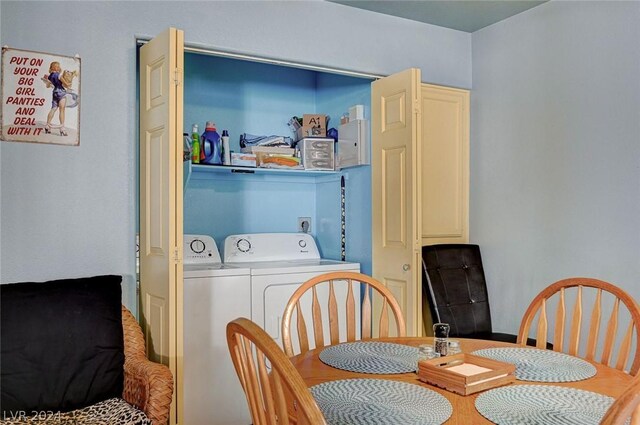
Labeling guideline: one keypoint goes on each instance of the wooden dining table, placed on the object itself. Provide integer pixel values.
(607, 381)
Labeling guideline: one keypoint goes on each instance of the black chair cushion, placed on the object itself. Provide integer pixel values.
(456, 290)
(453, 279)
(61, 344)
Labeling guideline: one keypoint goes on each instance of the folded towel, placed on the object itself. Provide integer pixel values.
(247, 139)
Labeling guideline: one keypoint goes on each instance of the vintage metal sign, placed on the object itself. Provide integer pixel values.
(40, 97)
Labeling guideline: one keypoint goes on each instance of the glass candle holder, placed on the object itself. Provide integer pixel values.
(454, 347)
(426, 352)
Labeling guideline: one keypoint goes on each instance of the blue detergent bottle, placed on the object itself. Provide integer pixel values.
(211, 145)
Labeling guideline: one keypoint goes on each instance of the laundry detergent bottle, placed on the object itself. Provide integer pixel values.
(211, 145)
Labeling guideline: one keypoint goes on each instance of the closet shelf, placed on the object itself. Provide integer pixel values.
(225, 169)
(235, 173)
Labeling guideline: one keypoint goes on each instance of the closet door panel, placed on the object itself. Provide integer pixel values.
(445, 165)
(395, 169)
(161, 173)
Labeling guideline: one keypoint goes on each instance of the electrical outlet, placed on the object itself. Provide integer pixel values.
(304, 224)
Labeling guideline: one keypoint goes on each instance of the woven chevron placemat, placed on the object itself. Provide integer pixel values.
(537, 365)
(371, 357)
(380, 401)
(542, 405)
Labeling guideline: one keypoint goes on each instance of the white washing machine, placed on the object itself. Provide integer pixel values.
(279, 263)
(214, 295)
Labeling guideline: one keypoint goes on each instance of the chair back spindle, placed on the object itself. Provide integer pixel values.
(594, 330)
(612, 329)
(351, 314)
(302, 329)
(541, 336)
(317, 319)
(576, 322)
(561, 315)
(366, 312)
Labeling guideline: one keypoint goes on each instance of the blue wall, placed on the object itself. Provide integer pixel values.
(257, 98)
(334, 92)
(245, 97)
(221, 206)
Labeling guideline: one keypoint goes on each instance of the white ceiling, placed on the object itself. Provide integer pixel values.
(463, 15)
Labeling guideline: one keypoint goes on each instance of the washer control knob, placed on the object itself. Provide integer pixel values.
(243, 245)
(302, 243)
(197, 246)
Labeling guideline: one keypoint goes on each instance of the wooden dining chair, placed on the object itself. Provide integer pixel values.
(626, 407)
(375, 296)
(579, 288)
(275, 391)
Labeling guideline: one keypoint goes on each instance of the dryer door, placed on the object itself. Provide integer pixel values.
(270, 294)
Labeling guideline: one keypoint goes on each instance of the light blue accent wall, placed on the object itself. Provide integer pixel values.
(358, 216)
(70, 211)
(245, 97)
(555, 151)
(224, 204)
(358, 188)
(336, 93)
(328, 217)
(255, 98)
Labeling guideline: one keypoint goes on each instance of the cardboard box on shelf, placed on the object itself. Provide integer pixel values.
(313, 125)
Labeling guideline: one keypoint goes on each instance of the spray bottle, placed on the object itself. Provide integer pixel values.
(195, 145)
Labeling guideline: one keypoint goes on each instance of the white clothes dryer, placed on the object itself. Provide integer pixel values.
(214, 294)
(279, 263)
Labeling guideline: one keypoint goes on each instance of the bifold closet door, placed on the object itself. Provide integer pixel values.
(445, 165)
(161, 92)
(396, 190)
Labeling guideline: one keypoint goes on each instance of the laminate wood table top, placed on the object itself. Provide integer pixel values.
(607, 381)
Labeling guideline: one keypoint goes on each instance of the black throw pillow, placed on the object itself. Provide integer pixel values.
(61, 344)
